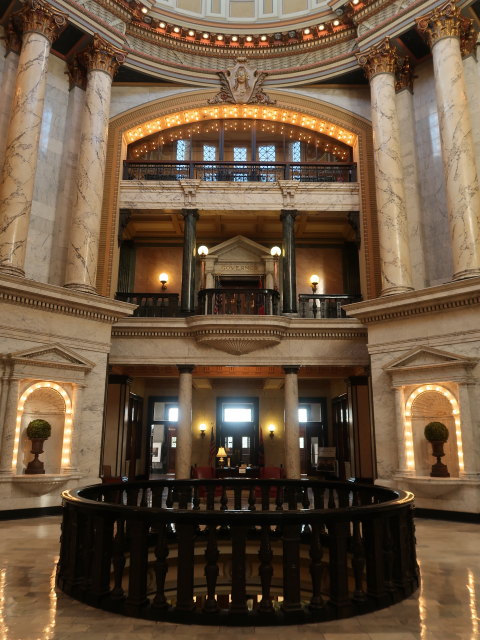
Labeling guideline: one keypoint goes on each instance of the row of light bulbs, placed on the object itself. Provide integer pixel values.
(277, 38)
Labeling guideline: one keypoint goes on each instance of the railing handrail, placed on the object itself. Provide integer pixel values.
(209, 163)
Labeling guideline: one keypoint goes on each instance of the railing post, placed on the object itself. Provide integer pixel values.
(137, 575)
(337, 540)
(102, 556)
(291, 568)
(239, 567)
(186, 557)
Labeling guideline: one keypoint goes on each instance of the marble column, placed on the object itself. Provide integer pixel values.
(379, 63)
(13, 46)
(471, 71)
(9, 427)
(187, 301)
(183, 455)
(292, 431)
(289, 265)
(41, 24)
(101, 60)
(443, 28)
(408, 146)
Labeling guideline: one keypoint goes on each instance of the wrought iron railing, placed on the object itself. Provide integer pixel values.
(241, 171)
(151, 305)
(238, 552)
(256, 302)
(311, 305)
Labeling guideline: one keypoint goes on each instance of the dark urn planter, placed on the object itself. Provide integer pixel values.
(36, 465)
(439, 470)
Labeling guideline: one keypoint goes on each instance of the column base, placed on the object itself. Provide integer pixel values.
(81, 288)
(468, 273)
(10, 270)
(391, 291)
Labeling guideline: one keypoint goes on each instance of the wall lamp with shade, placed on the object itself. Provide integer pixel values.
(271, 430)
(203, 428)
(163, 277)
(314, 280)
(221, 455)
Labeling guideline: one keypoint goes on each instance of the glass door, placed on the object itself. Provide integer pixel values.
(237, 430)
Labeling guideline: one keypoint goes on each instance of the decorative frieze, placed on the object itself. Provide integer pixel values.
(41, 17)
(103, 56)
(405, 76)
(381, 58)
(445, 21)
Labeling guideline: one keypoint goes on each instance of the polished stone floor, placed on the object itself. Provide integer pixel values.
(446, 607)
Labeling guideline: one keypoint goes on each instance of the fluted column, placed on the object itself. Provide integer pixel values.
(292, 431)
(41, 25)
(13, 46)
(408, 148)
(443, 28)
(101, 60)
(289, 265)
(379, 63)
(183, 454)
(187, 301)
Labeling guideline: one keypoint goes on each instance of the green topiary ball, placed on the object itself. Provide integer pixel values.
(436, 431)
(39, 429)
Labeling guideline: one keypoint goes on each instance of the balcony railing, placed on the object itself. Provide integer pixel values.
(324, 306)
(238, 302)
(238, 551)
(152, 305)
(241, 171)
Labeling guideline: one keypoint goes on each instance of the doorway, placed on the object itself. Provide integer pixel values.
(237, 429)
(162, 435)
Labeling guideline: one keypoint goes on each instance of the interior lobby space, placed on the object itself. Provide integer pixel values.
(446, 607)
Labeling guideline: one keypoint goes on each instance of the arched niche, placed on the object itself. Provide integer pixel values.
(433, 406)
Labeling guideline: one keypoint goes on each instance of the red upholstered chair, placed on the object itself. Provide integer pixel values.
(273, 473)
(205, 473)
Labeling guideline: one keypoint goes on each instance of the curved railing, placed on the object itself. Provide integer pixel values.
(238, 552)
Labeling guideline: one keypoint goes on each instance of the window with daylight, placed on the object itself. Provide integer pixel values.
(240, 154)
(295, 150)
(266, 153)
(209, 153)
(172, 414)
(182, 150)
(237, 413)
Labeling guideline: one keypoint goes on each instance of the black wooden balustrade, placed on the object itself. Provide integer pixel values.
(152, 305)
(313, 305)
(238, 551)
(241, 171)
(224, 301)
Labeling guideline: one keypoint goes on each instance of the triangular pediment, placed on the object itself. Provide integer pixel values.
(427, 357)
(52, 354)
(239, 247)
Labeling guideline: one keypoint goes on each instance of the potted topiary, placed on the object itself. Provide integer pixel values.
(37, 431)
(437, 434)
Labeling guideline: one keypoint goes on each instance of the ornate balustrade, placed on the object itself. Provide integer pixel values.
(151, 305)
(324, 306)
(241, 171)
(238, 551)
(224, 301)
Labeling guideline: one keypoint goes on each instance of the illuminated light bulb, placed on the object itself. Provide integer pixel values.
(162, 25)
(205, 35)
(336, 23)
(321, 27)
(234, 38)
(249, 38)
(144, 10)
(191, 33)
(219, 36)
(176, 29)
(263, 38)
(306, 31)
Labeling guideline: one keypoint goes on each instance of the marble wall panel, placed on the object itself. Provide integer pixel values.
(151, 261)
(125, 98)
(47, 179)
(355, 99)
(324, 262)
(438, 263)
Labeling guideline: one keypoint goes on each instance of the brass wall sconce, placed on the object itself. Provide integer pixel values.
(163, 277)
(314, 280)
(203, 428)
(271, 430)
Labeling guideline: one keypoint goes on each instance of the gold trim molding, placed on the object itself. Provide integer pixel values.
(381, 58)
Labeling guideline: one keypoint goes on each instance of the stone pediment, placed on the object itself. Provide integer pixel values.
(429, 358)
(239, 247)
(54, 355)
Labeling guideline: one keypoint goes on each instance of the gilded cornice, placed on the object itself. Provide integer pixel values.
(445, 21)
(103, 56)
(381, 58)
(41, 17)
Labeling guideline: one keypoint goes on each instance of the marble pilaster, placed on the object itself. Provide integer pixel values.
(399, 413)
(183, 455)
(13, 46)
(41, 24)
(101, 60)
(443, 28)
(187, 301)
(289, 263)
(470, 444)
(408, 145)
(292, 431)
(8, 433)
(379, 63)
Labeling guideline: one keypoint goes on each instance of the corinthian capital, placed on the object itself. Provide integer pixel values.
(468, 39)
(381, 58)
(445, 21)
(103, 56)
(40, 17)
(405, 76)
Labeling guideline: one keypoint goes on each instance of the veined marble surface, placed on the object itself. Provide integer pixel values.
(471, 70)
(8, 72)
(392, 215)
(85, 226)
(17, 182)
(463, 192)
(446, 607)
